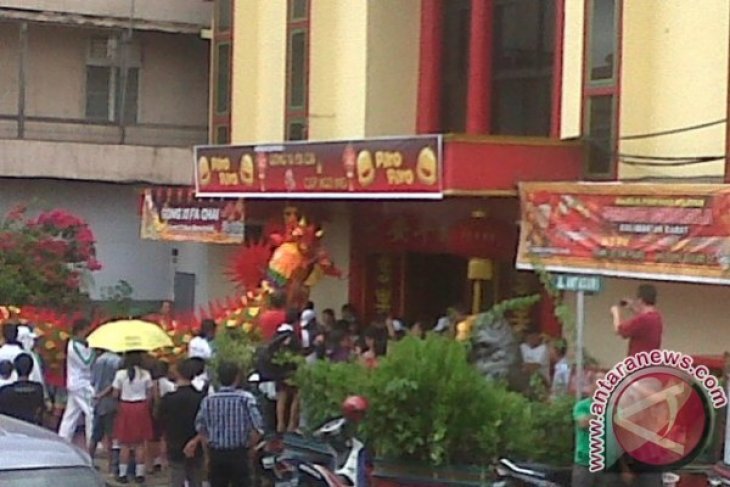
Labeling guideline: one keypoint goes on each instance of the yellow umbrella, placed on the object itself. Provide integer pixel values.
(129, 335)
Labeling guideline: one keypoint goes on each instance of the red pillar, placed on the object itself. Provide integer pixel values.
(548, 321)
(479, 95)
(429, 76)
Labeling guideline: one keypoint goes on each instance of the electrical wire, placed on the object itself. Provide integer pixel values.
(673, 131)
(652, 161)
(670, 164)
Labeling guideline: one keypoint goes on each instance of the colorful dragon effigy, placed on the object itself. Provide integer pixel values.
(289, 259)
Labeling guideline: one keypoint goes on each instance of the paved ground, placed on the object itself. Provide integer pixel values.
(153, 480)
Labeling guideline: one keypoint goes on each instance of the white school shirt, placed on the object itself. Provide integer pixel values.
(199, 347)
(538, 355)
(79, 359)
(133, 391)
(10, 351)
(165, 386)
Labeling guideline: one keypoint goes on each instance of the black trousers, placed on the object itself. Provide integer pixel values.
(229, 468)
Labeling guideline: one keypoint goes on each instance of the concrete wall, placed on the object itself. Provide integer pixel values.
(674, 74)
(393, 47)
(359, 84)
(173, 84)
(695, 319)
(182, 11)
(112, 211)
(332, 292)
(259, 67)
(8, 68)
(85, 161)
(572, 86)
(338, 69)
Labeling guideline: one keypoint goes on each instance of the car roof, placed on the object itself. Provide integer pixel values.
(26, 446)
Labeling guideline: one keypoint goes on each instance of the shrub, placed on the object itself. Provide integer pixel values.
(45, 261)
(234, 345)
(427, 405)
(325, 385)
(553, 434)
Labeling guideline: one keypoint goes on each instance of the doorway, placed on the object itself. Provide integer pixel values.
(184, 292)
(433, 283)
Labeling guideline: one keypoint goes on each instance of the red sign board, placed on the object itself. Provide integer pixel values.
(374, 168)
(677, 232)
(176, 215)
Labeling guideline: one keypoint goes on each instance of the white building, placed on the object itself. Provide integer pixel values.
(66, 142)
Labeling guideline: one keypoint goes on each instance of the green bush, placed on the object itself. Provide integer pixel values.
(427, 405)
(324, 385)
(553, 434)
(234, 345)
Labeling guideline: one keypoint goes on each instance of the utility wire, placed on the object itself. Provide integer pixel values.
(669, 164)
(673, 131)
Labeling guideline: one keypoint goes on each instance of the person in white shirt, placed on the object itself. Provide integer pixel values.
(14, 336)
(562, 369)
(79, 358)
(133, 428)
(6, 372)
(200, 348)
(535, 355)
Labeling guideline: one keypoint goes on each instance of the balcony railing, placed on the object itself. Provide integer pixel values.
(80, 130)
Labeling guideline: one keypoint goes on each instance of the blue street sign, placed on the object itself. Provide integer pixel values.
(578, 282)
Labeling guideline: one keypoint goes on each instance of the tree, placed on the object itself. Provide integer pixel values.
(44, 261)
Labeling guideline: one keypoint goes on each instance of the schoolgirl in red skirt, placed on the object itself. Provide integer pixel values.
(133, 427)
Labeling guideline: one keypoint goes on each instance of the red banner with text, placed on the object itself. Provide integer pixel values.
(375, 168)
(177, 215)
(665, 232)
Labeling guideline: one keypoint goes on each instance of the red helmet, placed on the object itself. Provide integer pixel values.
(354, 407)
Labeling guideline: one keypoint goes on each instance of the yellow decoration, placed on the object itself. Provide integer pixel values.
(50, 345)
(231, 323)
(464, 329)
(248, 327)
(63, 335)
(315, 276)
(254, 312)
(186, 338)
(480, 270)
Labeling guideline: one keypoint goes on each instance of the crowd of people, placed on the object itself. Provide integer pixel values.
(151, 415)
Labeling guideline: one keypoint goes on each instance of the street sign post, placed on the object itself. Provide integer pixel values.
(580, 284)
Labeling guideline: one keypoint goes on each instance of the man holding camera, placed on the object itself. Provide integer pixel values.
(644, 329)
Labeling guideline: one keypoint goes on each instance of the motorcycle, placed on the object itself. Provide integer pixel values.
(331, 457)
(510, 474)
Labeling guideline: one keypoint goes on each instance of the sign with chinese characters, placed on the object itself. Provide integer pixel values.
(384, 281)
(374, 168)
(678, 232)
(177, 215)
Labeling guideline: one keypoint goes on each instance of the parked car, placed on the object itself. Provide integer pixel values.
(31, 456)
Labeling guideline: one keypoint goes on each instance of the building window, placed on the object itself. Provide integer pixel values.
(223, 13)
(297, 130)
(297, 64)
(524, 41)
(600, 134)
(455, 65)
(602, 40)
(105, 80)
(299, 10)
(220, 122)
(600, 90)
(222, 135)
(223, 78)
